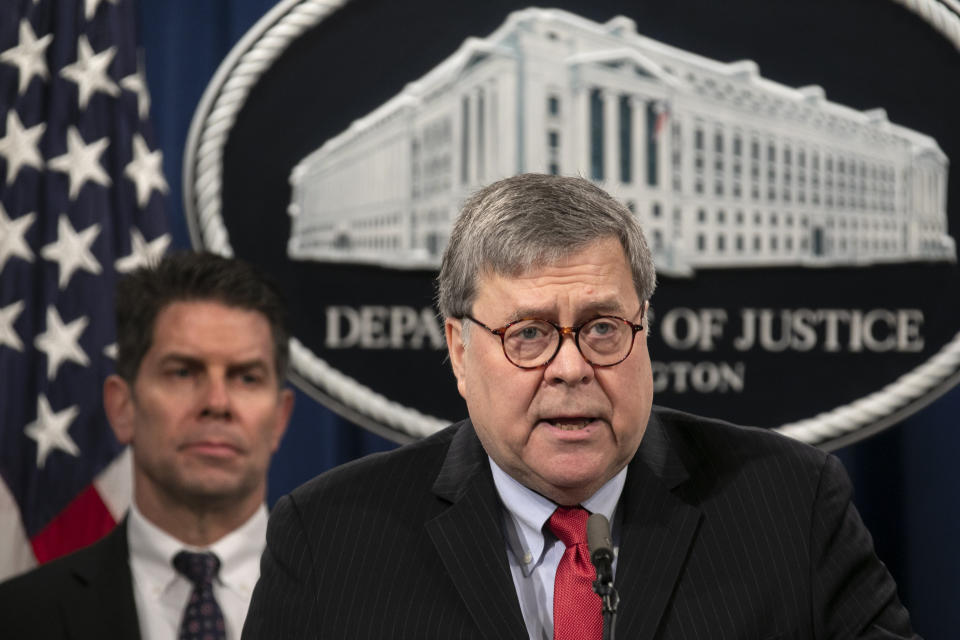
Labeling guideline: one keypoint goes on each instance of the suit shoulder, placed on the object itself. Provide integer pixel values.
(50, 573)
(379, 471)
(758, 471)
(49, 583)
(724, 442)
(385, 488)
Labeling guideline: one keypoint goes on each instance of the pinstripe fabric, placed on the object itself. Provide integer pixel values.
(727, 532)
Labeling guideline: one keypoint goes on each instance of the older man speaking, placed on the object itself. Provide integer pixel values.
(718, 531)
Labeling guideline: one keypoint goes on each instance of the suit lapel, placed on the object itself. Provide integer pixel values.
(657, 532)
(469, 539)
(104, 606)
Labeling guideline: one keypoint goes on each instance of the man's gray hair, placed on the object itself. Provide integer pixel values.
(530, 220)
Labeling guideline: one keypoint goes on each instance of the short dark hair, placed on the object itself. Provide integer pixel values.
(188, 277)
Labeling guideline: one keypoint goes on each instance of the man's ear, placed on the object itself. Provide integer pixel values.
(457, 350)
(284, 411)
(118, 405)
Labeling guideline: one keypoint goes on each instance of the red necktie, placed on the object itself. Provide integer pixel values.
(576, 608)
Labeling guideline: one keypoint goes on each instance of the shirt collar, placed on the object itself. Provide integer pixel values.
(239, 548)
(528, 512)
(155, 548)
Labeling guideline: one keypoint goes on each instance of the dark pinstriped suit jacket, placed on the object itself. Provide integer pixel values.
(87, 595)
(727, 533)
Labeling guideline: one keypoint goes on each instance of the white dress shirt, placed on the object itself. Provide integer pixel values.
(532, 549)
(161, 593)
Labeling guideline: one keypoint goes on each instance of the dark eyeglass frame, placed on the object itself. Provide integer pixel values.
(563, 331)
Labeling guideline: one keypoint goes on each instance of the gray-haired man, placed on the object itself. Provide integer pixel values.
(478, 531)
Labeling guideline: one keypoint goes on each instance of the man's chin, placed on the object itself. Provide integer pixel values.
(214, 493)
(576, 469)
(571, 488)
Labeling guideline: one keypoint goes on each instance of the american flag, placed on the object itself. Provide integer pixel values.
(81, 201)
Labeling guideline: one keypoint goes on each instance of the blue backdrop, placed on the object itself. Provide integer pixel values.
(906, 478)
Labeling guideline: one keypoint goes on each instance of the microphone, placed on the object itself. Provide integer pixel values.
(601, 555)
(601, 546)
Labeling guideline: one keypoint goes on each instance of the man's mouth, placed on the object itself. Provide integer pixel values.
(214, 448)
(569, 424)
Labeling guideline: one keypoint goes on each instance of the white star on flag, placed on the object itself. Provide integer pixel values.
(12, 241)
(49, 430)
(142, 253)
(61, 342)
(8, 335)
(90, 72)
(71, 250)
(29, 56)
(20, 146)
(135, 83)
(145, 170)
(81, 162)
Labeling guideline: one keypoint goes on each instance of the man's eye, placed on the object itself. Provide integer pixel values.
(179, 372)
(531, 333)
(602, 328)
(250, 378)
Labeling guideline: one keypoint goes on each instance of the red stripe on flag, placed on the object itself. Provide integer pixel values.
(84, 521)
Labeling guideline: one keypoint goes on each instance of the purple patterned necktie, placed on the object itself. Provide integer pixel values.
(202, 618)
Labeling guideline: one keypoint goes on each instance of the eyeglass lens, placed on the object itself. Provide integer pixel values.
(604, 340)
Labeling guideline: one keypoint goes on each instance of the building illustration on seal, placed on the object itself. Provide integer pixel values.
(724, 167)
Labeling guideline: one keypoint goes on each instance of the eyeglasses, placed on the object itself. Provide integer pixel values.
(530, 343)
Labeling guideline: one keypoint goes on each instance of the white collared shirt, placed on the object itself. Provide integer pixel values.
(161, 593)
(533, 555)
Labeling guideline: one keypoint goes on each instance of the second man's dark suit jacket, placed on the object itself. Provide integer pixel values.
(726, 532)
(87, 595)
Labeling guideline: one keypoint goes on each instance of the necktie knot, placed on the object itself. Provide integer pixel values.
(198, 568)
(569, 524)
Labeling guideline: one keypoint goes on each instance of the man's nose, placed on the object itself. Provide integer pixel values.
(569, 365)
(216, 397)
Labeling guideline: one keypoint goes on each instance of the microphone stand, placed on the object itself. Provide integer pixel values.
(601, 555)
(603, 587)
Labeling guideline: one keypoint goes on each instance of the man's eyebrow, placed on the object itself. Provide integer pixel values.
(599, 308)
(246, 365)
(180, 358)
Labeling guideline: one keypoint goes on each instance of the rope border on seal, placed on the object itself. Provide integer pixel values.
(941, 15)
(217, 112)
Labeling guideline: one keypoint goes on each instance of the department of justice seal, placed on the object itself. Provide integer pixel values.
(791, 170)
